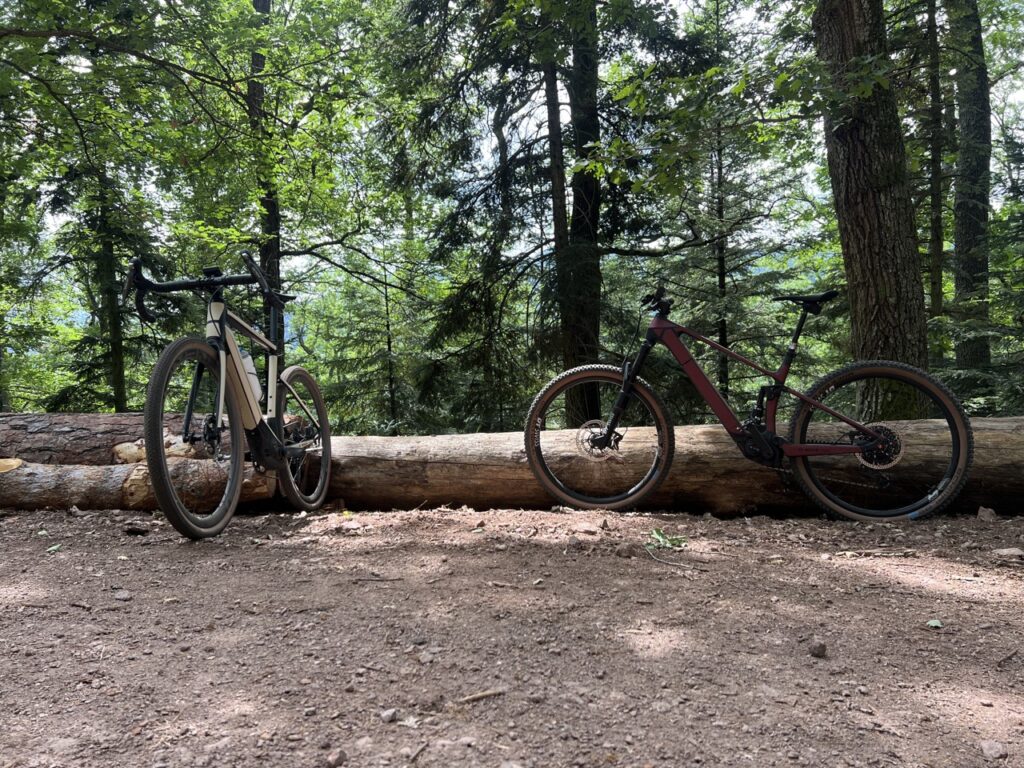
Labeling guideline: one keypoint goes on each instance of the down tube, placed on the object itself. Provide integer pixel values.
(670, 338)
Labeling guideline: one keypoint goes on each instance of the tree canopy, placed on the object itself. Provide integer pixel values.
(468, 197)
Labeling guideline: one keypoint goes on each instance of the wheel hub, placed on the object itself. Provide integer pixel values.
(585, 442)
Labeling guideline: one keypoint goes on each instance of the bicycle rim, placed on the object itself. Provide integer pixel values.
(562, 425)
(920, 464)
(195, 461)
(305, 425)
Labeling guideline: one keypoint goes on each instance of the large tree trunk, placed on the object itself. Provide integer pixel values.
(970, 210)
(867, 167)
(490, 470)
(580, 267)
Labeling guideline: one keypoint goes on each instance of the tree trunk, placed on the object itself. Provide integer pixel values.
(580, 292)
(490, 470)
(867, 168)
(971, 205)
(936, 145)
(270, 208)
(110, 307)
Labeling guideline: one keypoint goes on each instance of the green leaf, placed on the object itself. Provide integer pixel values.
(935, 624)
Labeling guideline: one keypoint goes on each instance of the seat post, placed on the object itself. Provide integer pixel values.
(790, 355)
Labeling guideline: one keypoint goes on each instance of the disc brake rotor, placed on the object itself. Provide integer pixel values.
(887, 453)
(585, 442)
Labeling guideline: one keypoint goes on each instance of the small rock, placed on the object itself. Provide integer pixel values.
(389, 715)
(136, 529)
(123, 595)
(479, 525)
(587, 528)
(817, 648)
(987, 515)
(986, 703)
(309, 711)
(351, 525)
(993, 750)
(629, 549)
(336, 758)
(604, 525)
(1010, 552)
(218, 746)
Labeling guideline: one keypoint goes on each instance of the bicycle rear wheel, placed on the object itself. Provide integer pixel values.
(919, 467)
(305, 425)
(569, 412)
(195, 462)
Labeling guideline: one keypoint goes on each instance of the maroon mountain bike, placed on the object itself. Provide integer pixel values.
(598, 436)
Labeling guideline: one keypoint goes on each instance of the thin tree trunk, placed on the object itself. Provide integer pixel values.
(867, 168)
(971, 205)
(110, 309)
(936, 145)
(270, 209)
(559, 217)
(392, 387)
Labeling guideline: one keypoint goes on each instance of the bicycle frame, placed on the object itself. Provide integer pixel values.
(219, 323)
(670, 334)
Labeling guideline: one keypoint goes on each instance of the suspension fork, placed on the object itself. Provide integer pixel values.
(630, 371)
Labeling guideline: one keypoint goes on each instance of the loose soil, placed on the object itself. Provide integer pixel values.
(509, 638)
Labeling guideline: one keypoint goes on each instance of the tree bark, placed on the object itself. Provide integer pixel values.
(580, 269)
(936, 146)
(490, 470)
(971, 204)
(127, 486)
(67, 438)
(867, 168)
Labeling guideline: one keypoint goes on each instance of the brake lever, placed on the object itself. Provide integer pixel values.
(129, 280)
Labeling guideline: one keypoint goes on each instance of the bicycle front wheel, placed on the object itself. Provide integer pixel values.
(566, 417)
(195, 460)
(306, 431)
(917, 469)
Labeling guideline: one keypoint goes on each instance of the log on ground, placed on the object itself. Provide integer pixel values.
(708, 473)
(67, 438)
(489, 470)
(24, 485)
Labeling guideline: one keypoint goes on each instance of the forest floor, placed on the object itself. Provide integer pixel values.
(510, 638)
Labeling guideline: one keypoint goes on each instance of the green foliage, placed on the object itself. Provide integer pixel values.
(406, 145)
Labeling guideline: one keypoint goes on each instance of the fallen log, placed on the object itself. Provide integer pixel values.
(708, 473)
(489, 470)
(67, 438)
(24, 485)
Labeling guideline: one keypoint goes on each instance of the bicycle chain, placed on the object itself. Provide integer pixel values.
(788, 473)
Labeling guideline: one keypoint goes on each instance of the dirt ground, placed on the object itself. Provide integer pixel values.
(510, 638)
